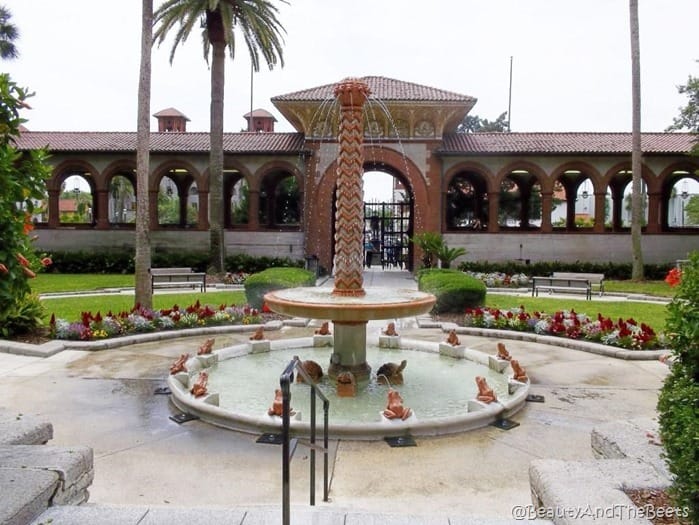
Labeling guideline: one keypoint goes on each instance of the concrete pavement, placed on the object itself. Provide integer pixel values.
(145, 463)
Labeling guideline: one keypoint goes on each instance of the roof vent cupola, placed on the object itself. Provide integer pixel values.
(171, 121)
(260, 121)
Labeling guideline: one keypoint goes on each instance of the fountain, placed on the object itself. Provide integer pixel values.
(349, 305)
(439, 397)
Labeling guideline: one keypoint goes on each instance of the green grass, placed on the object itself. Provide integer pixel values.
(68, 282)
(650, 313)
(71, 308)
(655, 288)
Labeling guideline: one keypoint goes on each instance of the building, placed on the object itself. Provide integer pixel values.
(502, 196)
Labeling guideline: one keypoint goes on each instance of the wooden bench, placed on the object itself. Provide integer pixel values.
(177, 278)
(559, 284)
(596, 279)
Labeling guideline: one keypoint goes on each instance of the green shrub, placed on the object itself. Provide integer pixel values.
(611, 271)
(455, 291)
(25, 316)
(678, 404)
(258, 284)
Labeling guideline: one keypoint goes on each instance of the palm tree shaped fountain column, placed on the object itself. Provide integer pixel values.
(348, 264)
(349, 305)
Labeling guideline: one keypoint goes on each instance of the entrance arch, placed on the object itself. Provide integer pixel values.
(320, 202)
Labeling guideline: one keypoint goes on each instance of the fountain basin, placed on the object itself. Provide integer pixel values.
(377, 303)
(457, 410)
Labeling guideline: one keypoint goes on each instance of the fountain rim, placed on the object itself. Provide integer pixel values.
(349, 308)
(371, 431)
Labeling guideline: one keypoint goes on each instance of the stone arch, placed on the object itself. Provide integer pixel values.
(234, 172)
(685, 169)
(515, 172)
(572, 184)
(617, 182)
(182, 183)
(266, 189)
(319, 209)
(481, 179)
(60, 173)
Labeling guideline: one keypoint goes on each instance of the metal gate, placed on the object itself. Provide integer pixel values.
(388, 227)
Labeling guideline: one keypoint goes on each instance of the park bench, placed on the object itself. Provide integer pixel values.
(177, 278)
(596, 279)
(561, 284)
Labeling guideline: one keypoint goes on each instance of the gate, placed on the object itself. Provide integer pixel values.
(388, 227)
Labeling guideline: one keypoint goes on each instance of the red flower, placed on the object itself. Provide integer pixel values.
(46, 261)
(28, 272)
(22, 260)
(266, 309)
(674, 277)
(3, 268)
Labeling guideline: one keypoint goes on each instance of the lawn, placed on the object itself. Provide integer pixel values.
(70, 308)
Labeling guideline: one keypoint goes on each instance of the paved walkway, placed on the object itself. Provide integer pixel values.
(203, 474)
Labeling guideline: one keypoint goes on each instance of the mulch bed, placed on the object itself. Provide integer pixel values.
(657, 506)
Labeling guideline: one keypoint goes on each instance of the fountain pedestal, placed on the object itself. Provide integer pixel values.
(349, 351)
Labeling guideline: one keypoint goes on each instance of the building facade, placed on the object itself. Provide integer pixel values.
(502, 196)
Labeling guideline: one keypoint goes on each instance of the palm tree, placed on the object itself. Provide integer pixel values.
(262, 32)
(144, 292)
(8, 34)
(636, 166)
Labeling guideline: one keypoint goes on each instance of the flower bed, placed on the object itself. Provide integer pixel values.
(501, 280)
(140, 320)
(568, 323)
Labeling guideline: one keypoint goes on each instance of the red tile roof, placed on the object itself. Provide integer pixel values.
(563, 143)
(291, 143)
(170, 112)
(190, 142)
(382, 88)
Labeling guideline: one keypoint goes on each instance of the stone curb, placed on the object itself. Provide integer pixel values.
(22, 429)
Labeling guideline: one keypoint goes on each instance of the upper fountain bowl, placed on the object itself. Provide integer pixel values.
(377, 303)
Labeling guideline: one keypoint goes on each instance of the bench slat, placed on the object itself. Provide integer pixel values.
(177, 277)
(561, 284)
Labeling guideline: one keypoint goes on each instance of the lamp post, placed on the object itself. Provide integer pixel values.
(76, 192)
(684, 198)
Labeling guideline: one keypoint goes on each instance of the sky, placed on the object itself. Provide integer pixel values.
(570, 60)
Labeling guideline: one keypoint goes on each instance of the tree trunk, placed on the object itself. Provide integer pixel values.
(218, 68)
(636, 165)
(144, 292)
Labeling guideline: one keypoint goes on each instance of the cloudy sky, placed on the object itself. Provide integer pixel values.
(571, 60)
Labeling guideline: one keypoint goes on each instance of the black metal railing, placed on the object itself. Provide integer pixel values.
(289, 445)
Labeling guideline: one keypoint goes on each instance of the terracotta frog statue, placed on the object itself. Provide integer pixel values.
(277, 407)
(395, 408)
(453, 339)
(206, 347)
(519, 373)
(346, 384)
(179, 365)
(485, 393)
(259, 335)
(391, 373)
(503, 353)
(390, 329)
(324, 329)
(199, 387)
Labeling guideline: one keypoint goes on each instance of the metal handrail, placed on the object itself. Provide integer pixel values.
(285, 381)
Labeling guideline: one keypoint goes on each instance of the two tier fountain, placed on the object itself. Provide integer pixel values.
(349, 305)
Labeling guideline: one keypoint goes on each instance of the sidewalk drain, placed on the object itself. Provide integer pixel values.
(400, 441)
(534, 398)
(270, 439)
(505, 424)
(183, 418)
